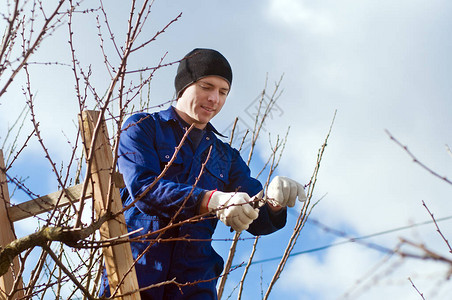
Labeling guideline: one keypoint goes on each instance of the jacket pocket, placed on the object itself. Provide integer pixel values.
(219, 169)
(165, 154)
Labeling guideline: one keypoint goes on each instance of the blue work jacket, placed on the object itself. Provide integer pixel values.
(147, 144)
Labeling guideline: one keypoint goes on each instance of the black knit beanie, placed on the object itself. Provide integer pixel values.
(200, 63)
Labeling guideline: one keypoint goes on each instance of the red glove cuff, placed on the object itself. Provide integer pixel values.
(208, 200)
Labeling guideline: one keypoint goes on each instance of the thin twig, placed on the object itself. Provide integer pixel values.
(414, 286)
(302, 216)
(437, 227)
(448, 150)
(415, 160)
(247, 267)
(258, 125)
(67, 272)
(41, 34)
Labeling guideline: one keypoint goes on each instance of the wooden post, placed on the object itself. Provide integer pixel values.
(7, 235)
(118, 259)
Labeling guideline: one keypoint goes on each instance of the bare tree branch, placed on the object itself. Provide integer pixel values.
(305, 211)
(437, 228)
(70, 237)
(414, 286)
(415, 160)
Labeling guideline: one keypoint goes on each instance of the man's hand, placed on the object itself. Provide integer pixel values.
(284, 191)
(233, 209)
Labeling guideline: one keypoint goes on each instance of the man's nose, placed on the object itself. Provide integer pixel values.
(214, 96)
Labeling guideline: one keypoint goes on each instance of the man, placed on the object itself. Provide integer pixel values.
(224, 188)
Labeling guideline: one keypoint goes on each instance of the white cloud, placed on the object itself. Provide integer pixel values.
(299, 14)
(381, 68)
(372, 69)
(352, 272)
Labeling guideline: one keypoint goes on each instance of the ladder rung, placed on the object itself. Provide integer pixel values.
(46, 203)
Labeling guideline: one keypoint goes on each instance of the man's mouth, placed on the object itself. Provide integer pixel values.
(209, 109)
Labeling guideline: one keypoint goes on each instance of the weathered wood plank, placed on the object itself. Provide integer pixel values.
(7, 235)
(118, 258)
(46, 203)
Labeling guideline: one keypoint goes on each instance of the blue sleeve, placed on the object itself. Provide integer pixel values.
(140, 165)
(241, 180)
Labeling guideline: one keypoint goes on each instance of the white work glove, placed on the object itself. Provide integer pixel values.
(284, 191)
(233, 209)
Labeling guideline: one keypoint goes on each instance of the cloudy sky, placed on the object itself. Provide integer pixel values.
(383, 65)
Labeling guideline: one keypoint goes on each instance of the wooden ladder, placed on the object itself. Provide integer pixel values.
(118, 258)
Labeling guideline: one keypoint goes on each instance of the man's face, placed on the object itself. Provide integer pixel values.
(202, 100)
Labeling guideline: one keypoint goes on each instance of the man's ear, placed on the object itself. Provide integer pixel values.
(181, 93)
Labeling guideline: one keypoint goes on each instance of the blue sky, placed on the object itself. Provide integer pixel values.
(380, 64)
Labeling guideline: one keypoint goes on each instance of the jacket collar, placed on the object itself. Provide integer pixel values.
(171, 115)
